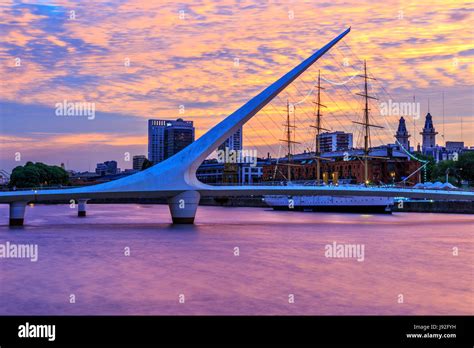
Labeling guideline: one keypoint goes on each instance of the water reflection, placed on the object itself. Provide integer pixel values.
(280, 253)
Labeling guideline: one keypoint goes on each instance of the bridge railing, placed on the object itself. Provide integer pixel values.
(38, 188)
(354, 186)
(263, 183)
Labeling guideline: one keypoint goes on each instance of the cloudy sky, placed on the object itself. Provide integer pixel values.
(200, 60)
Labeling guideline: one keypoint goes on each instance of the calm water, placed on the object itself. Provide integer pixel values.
(281, 253)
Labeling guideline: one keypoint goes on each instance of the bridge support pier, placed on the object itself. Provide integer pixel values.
(183, 207)
(82, 207)
(17, 213)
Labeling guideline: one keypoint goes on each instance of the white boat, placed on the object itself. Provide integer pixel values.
(349, 204)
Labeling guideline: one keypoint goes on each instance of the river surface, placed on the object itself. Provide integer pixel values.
(413, 263)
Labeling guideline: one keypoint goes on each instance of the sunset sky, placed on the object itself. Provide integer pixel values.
(211, 57)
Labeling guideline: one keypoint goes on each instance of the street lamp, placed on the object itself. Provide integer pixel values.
(447, 173)
(392, 174)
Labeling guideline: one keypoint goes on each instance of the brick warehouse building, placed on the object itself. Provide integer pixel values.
(381, 171)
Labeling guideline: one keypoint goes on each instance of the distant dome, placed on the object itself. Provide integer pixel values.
(179, 120)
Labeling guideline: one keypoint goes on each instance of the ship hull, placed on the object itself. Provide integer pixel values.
(368, 209)
(349, 204)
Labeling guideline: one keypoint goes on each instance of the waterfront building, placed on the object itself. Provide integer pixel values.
(166, 138)
(138, 162)
(387, 164)
(429, 136)
(454, 146)
(4, 177)
(107, 168)
(439, 153)
(156, 140)
(335, 141)
(402, 134)
(251, 174)
(234, 142)
(213, 172)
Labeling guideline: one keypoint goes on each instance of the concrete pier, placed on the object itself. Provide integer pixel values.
(17, 213)
(183, 207)
(82, 207)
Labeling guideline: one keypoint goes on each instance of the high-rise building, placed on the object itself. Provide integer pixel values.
(156, 140)
(178, 135)
(166, 138)
(429, 134)
(234, 142)
(138, 162)
(335, 141)
(402, 134)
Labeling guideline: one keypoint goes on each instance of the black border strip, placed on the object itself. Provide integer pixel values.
(194, 330)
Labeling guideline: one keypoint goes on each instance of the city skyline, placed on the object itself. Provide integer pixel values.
(181, 60)
(346, 142)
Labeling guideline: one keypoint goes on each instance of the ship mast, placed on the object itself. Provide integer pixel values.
(318, 130)
(288, 140)
(365, 123)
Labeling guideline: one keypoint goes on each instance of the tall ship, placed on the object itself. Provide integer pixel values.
(349, 204)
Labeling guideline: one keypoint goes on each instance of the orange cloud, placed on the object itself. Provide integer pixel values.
(217, 55)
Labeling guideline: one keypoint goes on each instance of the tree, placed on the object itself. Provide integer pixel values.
(38, 174)
(440, 169)
(462, 169)
(465, 166)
